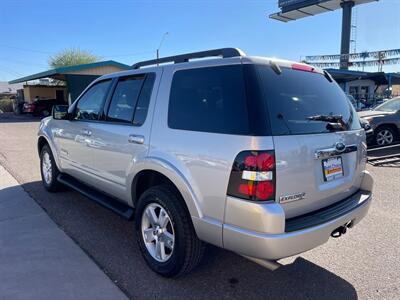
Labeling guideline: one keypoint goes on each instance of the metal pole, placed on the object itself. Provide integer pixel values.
(161, 42)
(346, 31)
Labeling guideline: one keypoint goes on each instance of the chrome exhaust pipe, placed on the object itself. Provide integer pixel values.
(338, 232)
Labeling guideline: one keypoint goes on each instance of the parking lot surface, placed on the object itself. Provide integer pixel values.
(362, 264)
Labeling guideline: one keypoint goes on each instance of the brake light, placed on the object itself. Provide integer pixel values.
(305, 68)
(253, 176)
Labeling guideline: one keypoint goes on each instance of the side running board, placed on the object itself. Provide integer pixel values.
(106, 201)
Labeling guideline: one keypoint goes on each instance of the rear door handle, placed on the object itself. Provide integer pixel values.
(136, 139)
(86, 132)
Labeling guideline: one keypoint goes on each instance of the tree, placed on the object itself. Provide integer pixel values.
(72, 57)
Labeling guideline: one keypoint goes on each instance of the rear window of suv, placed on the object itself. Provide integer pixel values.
(294, 97)
(255, 100)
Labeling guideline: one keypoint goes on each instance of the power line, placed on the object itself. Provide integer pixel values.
(129, 54)
(9, 71)
(108, 55)
(26, 49)
(5, 59)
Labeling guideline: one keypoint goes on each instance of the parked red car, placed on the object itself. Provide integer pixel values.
(41, 107)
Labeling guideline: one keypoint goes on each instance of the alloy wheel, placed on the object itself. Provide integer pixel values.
(158, 232)
(47, 168)
(384, 137)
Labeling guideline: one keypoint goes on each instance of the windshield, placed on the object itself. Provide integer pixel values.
(391, 105)
(305, 103)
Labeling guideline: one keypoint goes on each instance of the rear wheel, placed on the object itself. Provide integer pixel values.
(165, 233)
(384, 136)
(49, 170)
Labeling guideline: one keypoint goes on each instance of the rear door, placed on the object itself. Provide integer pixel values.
(318, 140)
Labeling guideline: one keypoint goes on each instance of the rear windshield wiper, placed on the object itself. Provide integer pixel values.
(326, 118)
(335, 122)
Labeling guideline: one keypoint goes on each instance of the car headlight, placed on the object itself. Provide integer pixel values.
(365, 124)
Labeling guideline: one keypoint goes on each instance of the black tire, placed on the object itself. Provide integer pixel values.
(53, 185)
(381, 130)
(188, 249)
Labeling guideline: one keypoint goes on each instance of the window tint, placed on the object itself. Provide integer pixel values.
(124, 99)
(293, 96)
(90, 104)
(144, 100)
(209, 99)
(391, 105)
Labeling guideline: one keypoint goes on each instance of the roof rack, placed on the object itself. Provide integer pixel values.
(223, 52)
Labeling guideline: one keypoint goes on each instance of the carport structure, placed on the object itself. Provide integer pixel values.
(76, 78)
(359, 84)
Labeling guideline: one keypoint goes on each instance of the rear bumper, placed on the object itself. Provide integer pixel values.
(286, 242)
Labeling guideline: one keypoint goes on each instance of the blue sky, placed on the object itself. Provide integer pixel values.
(128, 31)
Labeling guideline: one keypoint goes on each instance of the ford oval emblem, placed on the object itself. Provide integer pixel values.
(340, 147)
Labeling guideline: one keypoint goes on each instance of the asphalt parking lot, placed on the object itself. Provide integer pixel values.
(362, 264)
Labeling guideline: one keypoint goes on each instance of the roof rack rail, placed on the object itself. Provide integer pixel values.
(223, 52)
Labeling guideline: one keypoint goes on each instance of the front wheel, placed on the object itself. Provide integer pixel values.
(165, 233)
(49, 170)
(385, 136)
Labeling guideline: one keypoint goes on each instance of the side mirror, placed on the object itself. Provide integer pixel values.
(60, 112)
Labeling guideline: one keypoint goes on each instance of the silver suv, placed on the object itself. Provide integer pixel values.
(260, 156)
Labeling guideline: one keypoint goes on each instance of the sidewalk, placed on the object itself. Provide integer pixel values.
(37, 259)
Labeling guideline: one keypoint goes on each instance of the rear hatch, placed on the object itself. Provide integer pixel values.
(319, 144)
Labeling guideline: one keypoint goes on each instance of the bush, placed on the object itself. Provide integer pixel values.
(6, 105)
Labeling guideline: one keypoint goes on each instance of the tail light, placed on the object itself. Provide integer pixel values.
(29, 106)
(253, 176)
(302, 67)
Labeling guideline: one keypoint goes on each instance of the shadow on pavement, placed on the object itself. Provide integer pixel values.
(110, 241)
(13, 118)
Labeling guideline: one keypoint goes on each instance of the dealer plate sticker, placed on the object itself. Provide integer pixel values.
(332, 168)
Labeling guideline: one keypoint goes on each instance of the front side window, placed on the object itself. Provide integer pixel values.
(211, 99)
(90, 104)
(124, 99)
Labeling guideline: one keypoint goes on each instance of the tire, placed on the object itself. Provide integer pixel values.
(49, 170)
(187, 249)
(384, 136)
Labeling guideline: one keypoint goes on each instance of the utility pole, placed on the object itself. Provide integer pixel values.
(346, 31)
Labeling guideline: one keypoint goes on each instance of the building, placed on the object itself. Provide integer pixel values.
(9, 90)
(363, 86)
(66, 82)
(393, 84)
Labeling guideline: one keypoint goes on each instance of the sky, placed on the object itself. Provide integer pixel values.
(130, 31)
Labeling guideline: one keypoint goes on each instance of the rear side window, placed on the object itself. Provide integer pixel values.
(294, 96)
(211, 99)
(142, 105)
(124, 99)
